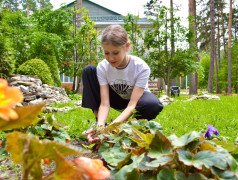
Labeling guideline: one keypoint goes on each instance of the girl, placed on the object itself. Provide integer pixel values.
(120, 81)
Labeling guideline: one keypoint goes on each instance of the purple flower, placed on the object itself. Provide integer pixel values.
(210, 131)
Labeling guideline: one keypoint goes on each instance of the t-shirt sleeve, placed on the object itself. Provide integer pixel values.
(101, 74)
(143, 77)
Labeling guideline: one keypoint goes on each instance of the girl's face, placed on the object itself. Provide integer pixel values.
(116, 55)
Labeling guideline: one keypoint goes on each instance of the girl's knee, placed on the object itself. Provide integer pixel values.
(89, 69)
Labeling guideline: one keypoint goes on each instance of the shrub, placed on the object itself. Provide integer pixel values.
(7, 59)
(47, 46)
(36, 67)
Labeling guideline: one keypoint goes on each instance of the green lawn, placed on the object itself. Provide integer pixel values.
(179, 117)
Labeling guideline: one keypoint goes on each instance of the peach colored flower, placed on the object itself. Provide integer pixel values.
(92, 169)
(9, 97)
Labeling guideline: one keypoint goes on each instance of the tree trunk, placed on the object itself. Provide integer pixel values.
(218, 41)
(16, 5)
(79, 6)
(229, 50)
(193, 76)
(223, 28)
(28, 11)
(173, 81)
(217, 79)
(211, 71)
(167, 57)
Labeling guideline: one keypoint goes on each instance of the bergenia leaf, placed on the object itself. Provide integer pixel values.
(135, 175)
(16, 144)
(122, 173)
(206, 158)
(143, 140)
(185, 139)
(197, 176)
(114, 155)
(166, 173)
(159, 161)
(65, 170)
(26, 116)
(223, 174)
(154, 126)
(160, 145)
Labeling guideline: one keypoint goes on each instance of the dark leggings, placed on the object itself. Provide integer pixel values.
(148, 106)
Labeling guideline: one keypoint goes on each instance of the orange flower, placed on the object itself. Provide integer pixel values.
(92, 168)
(9, 97)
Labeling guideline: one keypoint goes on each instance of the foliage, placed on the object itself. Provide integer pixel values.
(223, 73)
(139, 149)
(29, 151)
(18, 31)
(134, 33)
(48, 129)
(36, 67)
(158, 41)
(46, 46)
(75, 97)
(86, 43)
(203, 75)
(7, 59)
(58, 22)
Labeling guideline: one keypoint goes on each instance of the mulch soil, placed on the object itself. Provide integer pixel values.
(9, 171)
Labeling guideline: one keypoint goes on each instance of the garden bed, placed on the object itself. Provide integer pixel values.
(10, 171)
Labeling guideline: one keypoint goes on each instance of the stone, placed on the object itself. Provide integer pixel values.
(165, 100)
(29, 98)
(24, 89)
(205, 96)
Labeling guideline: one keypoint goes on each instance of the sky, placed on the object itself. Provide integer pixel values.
(124, 7)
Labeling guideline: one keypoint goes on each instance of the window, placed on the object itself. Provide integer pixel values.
(66, 79)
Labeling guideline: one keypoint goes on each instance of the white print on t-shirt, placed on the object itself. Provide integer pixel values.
(122, 88)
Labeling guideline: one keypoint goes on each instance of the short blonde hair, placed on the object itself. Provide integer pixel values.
(114, 34)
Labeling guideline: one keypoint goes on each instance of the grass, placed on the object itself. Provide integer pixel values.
(180, 117)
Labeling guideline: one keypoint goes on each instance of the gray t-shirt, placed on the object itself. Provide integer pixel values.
(122, 81)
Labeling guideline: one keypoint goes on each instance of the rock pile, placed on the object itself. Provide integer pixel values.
(35, 92)
(205, 96)
(165, 100)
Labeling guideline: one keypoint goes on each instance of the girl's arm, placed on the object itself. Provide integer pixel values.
(102, 112)
(135, 96)
(104, 106)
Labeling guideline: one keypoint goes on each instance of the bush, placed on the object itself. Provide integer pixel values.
(7, 59)
(36, 67)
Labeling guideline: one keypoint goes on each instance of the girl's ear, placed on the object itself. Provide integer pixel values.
(128, 46)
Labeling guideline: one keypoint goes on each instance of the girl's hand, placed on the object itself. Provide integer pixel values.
(92, 138)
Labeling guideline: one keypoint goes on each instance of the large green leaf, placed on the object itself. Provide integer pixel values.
(114, 155)
(223, 174)
(154, 126)
(206, 158)
(166, 174)
(27, 115)
(180, 175)
(185, 139)
(160, 145)
(134, 175)
(230, 147)
(197, 176)
(159, 161)
(122, 173)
